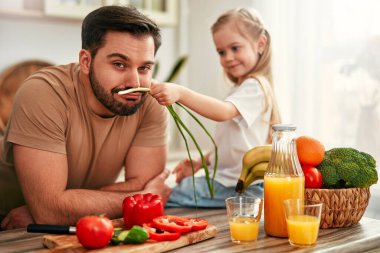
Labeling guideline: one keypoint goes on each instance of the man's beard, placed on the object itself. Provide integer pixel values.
(108, 100)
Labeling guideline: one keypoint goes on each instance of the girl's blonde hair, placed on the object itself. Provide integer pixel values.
(250, 26)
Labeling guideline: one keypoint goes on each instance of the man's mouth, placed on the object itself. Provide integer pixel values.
(132, 97)
(134, 90)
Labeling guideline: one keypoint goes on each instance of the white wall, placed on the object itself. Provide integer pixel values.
(30, 38)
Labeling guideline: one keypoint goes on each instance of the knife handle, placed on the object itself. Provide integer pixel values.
(50, 229)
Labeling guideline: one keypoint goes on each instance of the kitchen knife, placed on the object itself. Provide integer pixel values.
(51, 229)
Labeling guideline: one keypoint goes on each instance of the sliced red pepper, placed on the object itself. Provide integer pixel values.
(172, 223)
(195, 223)
(142, 208)
(160, 235)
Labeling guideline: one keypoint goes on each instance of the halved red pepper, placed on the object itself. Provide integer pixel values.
(195, 223)
(142, 208)
(172, 223)
(160, 235)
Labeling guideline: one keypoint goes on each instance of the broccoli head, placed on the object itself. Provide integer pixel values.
(348, 168)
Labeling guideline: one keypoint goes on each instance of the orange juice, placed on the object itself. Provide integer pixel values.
(303, 229)
(276, 190)
(244, 229)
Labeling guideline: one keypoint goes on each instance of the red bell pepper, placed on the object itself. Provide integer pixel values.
(172, 223)
(142, 208)
(160, 235)
(195, 223)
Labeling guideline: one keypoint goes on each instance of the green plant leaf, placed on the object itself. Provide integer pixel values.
(155, 69)
(177, 69)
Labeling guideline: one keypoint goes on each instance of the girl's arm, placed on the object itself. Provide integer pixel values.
(209, 107)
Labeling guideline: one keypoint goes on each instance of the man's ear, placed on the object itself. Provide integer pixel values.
(85, 61)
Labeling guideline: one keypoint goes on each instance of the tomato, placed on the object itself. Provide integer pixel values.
(94, 232)
(313, 177)
(142, 208)
(160, 235)
(172, 223)
(195, 223)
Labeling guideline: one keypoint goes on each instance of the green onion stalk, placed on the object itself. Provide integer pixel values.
(181, 126)
(182, 129)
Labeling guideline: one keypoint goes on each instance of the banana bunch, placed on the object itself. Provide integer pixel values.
(255, 163)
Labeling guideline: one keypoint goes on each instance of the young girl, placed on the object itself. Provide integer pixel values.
(245, 116)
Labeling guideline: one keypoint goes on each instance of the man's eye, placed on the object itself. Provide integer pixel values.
(145, 68)
(119, 65)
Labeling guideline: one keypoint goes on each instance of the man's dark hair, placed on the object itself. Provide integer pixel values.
(116, 18)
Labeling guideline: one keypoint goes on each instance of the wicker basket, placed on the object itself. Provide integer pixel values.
(341, 207)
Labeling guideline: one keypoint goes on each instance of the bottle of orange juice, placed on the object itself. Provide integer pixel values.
(283, 179)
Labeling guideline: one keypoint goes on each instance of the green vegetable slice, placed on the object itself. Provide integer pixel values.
(136, 235)
(122, 235)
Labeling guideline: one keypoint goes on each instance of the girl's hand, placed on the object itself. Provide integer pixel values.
(165, 93)
(183, 169)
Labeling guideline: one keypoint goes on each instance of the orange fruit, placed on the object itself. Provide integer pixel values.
(310, 151)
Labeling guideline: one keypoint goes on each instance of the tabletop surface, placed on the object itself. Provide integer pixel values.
(363, 237)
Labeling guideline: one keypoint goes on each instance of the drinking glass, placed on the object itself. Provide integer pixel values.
(303, 219)
(244, 214)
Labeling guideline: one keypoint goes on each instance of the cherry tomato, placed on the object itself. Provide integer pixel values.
(94, 232)
(160, 235)
(172, 223)
(313, 177)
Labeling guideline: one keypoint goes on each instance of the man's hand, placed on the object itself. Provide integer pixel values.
(19, 217)
(157, 185)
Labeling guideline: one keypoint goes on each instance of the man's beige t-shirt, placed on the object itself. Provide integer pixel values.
(51, 113)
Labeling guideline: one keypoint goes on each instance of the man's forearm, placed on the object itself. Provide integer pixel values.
(130, 185)
(76, 203)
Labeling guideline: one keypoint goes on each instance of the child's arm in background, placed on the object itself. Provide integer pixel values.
(209, 107)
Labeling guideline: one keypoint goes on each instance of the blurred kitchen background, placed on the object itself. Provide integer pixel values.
(326, 58)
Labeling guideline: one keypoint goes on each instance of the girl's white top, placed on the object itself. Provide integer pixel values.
(243, 132)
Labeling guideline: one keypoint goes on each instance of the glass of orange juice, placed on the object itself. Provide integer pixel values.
(244, 214)
(303, 219)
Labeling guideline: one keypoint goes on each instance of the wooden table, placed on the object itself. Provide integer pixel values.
(363, 237)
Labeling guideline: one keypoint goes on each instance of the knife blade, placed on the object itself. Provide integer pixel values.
(51, 229)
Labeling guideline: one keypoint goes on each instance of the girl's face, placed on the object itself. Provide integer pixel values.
(238, 55)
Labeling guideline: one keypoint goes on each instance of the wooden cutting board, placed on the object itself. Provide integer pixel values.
(69, 243)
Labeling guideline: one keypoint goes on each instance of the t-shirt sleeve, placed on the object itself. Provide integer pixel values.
(38, 117)
(249, 100)
(153, 129)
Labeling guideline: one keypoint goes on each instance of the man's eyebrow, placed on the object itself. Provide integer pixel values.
(122, 56)
(126, 58)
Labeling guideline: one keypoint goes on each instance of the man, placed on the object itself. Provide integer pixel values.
(70, 132)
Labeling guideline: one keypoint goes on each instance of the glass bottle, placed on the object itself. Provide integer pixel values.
(283, 179)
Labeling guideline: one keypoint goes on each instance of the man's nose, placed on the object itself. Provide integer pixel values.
(132, 79)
